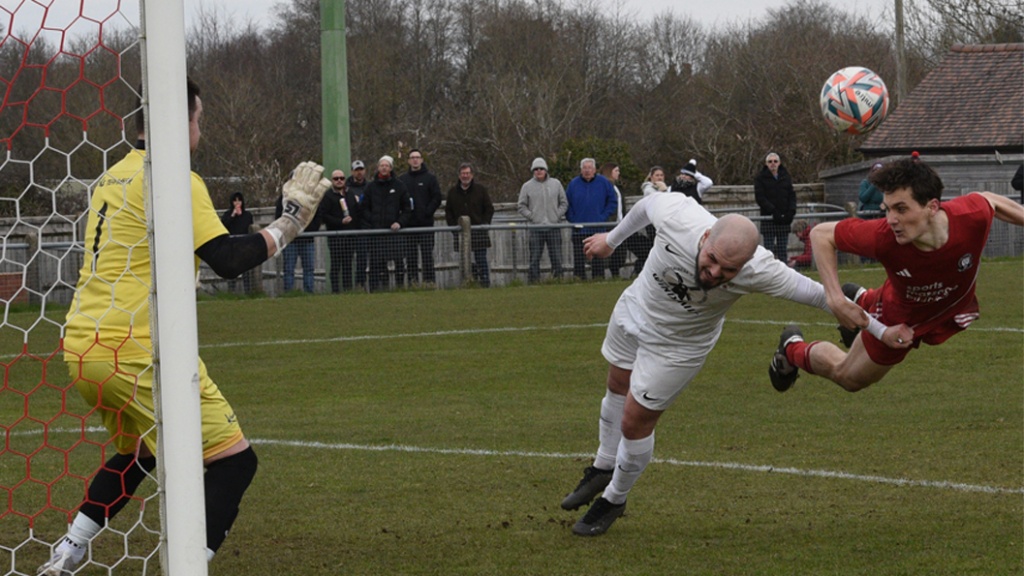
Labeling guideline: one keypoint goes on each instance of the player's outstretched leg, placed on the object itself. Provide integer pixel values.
(599, 518)
(853, 292)
(781, 372)
(594, 481)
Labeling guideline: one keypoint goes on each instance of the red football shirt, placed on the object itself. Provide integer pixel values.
(925, 288)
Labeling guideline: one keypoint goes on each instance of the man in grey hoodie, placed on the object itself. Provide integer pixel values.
(543, 203)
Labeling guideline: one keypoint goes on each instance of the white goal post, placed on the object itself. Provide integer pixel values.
(173, 300)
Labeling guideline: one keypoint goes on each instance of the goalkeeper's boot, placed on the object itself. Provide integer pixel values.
(853, 292)
(65, 557)
(780, 371)
(594, 481)
(599, 518)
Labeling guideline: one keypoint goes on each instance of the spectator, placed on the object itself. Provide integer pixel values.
(543, 203)
(802, 230)
(773, 190)
(302, 248)
(340, 211)
(691, 182)
(655, 181)
(425, 195)
(238, 222)
(591, 200)
(385, 207)
(1018, 181)
(870, 196)
(639, 244)
(468, 198)
(356, 186)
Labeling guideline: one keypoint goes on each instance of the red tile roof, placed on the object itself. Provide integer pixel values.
(973, 102)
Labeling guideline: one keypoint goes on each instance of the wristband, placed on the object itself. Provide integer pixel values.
(876, 328)
(278, 238)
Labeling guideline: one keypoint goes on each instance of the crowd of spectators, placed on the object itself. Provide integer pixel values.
(387, 202)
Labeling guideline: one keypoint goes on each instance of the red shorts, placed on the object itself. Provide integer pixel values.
(933, 332)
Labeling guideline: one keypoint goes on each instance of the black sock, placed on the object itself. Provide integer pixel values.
(225, 483)
(114, 484)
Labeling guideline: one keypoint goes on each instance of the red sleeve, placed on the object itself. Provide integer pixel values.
(860, 237)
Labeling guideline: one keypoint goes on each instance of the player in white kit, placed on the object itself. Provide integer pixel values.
(662, 329)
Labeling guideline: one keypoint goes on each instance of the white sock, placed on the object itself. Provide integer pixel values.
(609, 429)
(209, 555)
(83, 530)
(633, 458)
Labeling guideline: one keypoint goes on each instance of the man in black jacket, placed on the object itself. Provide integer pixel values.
(385, 207)
(773, 190)
(340, 211)
(356, 186)
(425, 195)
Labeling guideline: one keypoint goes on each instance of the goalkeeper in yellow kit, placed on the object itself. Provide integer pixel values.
(108, 349)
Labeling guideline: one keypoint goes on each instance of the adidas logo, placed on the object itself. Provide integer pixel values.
(905, 273)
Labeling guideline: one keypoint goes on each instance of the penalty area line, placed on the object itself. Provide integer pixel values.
(874, 479)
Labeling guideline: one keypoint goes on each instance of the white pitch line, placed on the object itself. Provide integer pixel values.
(471, 331)
(943, 484)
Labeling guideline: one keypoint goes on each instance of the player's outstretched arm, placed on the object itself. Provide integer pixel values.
(823, 243)
(1006, 210)
(597, 246)
(301, 196)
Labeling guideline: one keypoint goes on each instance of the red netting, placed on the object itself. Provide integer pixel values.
(69, 75)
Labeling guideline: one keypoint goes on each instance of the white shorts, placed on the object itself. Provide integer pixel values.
(660, 370)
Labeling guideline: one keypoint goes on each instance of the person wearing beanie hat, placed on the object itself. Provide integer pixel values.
(543, 203)
(691, 182)
(385, 206)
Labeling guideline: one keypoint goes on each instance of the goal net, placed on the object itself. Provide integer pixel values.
(70, 73)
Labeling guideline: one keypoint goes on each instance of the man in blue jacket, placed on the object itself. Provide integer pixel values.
(591, 200)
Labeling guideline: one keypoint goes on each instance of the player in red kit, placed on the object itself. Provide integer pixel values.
(931, 251)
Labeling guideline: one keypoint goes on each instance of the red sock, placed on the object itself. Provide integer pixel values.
(799, 354)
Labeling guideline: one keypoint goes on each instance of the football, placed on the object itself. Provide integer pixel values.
(854, 100)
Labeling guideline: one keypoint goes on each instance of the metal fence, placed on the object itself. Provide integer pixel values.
(40, 263)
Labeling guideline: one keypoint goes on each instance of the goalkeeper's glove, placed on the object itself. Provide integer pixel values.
(300, 197)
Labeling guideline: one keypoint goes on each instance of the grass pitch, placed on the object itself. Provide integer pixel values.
(427, 433)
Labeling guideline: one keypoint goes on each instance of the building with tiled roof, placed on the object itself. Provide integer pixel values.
(972, 103)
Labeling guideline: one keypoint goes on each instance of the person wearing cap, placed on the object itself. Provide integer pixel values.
(543, 203)
(774, 193)
(385, 207)
(425, 195)
(355, 185)
(870, 196)
(691, 182)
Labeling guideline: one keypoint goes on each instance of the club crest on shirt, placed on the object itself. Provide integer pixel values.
(965, 262)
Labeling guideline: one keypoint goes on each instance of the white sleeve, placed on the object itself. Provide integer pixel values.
(636, 219)
(809, 292)
(703, 183)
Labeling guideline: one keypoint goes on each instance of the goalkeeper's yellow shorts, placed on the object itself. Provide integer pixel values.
(122, 393)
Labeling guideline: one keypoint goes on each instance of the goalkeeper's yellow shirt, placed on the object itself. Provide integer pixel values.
(110, 312)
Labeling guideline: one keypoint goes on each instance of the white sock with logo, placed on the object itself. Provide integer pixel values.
(633, 458)
(609, 429)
